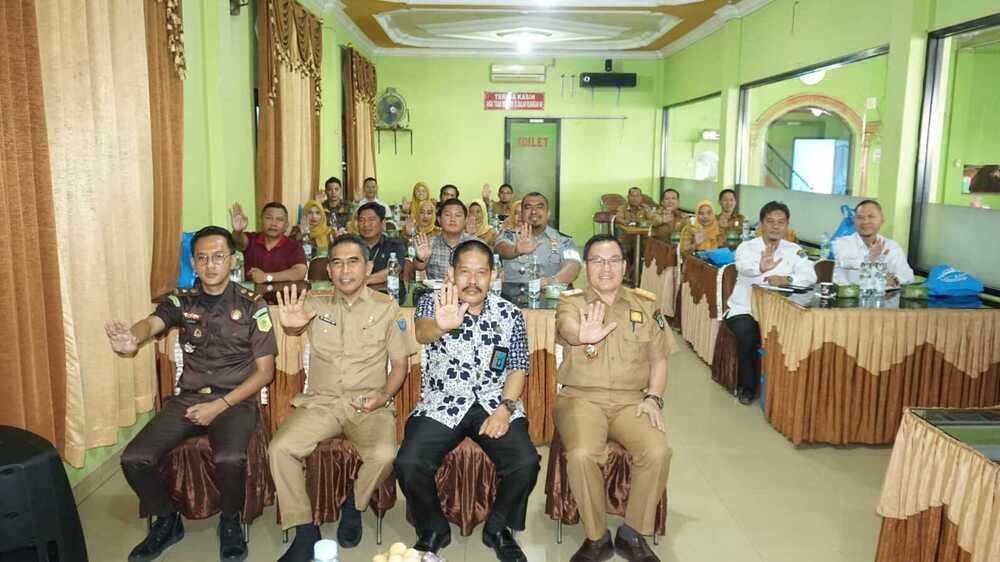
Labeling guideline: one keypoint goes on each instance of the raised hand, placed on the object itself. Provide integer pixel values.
(448, 313)
(422, 246)
(123, 342)
(877, 250)
(486, 192)
(767, 261)
(592, 328)
(292, 311)
(526, 242)
(699, 236)
(238, 220)
(321, 197)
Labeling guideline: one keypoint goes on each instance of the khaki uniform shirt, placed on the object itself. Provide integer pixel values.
(623, 358)
(351, 344)
(638, 215)
(667, 225)
(221, 339)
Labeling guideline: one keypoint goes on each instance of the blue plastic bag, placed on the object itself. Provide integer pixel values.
(846, 227)
(719, 257)
(185, 274)
(946, 281)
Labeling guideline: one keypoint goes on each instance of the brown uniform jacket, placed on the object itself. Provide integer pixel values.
(351, 344)
(666, 226)
(623, 358)
(220, 341)
(639, 215)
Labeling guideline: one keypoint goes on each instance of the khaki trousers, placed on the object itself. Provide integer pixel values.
(372, 434)
(586, 420)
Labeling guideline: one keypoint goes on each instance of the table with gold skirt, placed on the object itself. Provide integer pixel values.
(660, 274)
(940, 499)
(705, 289)
(845, 375)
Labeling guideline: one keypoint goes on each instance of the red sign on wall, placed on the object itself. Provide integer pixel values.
(514, 100)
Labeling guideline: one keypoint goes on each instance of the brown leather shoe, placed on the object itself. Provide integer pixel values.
(634, 550)
(595, 551)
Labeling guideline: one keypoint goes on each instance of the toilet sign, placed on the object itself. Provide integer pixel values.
(508, 101)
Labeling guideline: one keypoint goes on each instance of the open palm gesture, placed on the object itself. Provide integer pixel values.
(422, 246)
(448, 312)
(238, 218)
(592, 328)
(526, 242)
(123, 341)
(767, 260)
(292, 311)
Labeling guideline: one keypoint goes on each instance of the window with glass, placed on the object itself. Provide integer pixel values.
(690, 159)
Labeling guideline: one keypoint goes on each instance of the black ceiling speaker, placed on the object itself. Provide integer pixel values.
(607, 80)
(607, 65)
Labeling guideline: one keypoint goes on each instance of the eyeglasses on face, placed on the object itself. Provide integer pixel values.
(217, 258)
(601, 262)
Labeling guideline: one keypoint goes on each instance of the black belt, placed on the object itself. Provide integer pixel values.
(209, 390)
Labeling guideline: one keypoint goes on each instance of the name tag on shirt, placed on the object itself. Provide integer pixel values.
(498, 362)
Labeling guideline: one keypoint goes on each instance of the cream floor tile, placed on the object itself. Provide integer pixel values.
(738, 492)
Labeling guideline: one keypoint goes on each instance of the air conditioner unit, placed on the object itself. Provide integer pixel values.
(517, 73)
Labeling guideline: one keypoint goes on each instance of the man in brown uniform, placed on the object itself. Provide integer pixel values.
(613, 374)
(229, 349)
(352, 336)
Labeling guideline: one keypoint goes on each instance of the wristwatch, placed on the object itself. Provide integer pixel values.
(511, 405)
(269, 278)
(654, 398)
(389, 399)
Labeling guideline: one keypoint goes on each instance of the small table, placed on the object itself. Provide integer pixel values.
(705, 289)
(837, 372)
(639, 231)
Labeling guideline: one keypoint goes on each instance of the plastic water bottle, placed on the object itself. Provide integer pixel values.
(236, 274)
(497, 287)
(534, 279)
(825, 248)
(392, 281)
(865, 283)
(307, 245)
(747, 233)
(881, 285)
(325, 551)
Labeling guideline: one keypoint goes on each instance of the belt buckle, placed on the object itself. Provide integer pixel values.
(205, 390)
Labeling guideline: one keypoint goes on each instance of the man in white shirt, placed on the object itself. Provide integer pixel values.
(867, 246)
(771, 260)
(370, 188)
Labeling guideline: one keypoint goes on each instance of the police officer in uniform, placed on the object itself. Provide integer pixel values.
(614, 372)
(229, 349)
(557, 254)
(352, 335)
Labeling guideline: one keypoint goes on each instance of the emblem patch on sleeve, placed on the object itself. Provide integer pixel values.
(263, 318)
(402, 324)
(660, 321)
(174, 300)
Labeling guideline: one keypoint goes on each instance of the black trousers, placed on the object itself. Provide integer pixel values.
(425, 445)
(229, 434)
(747, 333)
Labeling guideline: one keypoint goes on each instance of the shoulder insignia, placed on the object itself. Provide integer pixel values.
(572, 293)
(186, 292)
(174, 300)
(381, 298)
(248, 294)
(643, 293)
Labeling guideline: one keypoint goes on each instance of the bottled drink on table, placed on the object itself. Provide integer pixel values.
(497, 285)
(307, 243)
(825, 248)
(392, 281)
(534, 279)
(236, 274)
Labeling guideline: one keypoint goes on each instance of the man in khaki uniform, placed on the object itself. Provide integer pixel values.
(352, 335)
(614, 372)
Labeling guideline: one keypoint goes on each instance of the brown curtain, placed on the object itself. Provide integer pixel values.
(165, 59)
(31, 327)
(360, 89)
(289, 52)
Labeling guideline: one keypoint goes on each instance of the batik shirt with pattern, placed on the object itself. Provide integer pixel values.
(457, 368)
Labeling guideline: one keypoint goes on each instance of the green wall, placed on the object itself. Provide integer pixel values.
(98, 456)
(456, 141)
(684, 135)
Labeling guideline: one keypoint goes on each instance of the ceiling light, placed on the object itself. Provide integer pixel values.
(524, 46)
(813, 78)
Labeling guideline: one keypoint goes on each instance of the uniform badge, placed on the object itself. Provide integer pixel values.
(196, 333)
(174, 300)
(263, 319)
(660, 321)
(499, 360)
(328, 319)
(188, 348)
(236, 314)
(635, 316)
(590, 351)
(402, 324)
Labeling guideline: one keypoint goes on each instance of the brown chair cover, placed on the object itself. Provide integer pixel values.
(467, 486)
(725, 361)
(559, 501)
(824, 271)
(611, 201)
(330, 471)
(317, 269)
(189, 473)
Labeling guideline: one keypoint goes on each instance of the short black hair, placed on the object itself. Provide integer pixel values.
(536, 194)
(372, 206)
(351, 239)
(274, 205)
(332, 179)
(446, 186)
(725, 191)
(369, 178)
(507, 185)
(869, 202)
(635, 187)
(774, 206)
(449, 202)
(213, 231)
(671, 190)
(472, 246)
(598, 239)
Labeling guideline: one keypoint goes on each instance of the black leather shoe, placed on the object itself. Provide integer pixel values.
(634, 549)
(167, 530)
(504, 545)
(745, 396)
(595, 551)
(432, 541)
(232, 546)
(349, 530)
(301, 549)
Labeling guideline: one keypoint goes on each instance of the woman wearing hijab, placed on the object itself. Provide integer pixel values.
(478, 223)
(704, 233)
(314, 221)
(420, 194)
(425, 215)
(513, 220)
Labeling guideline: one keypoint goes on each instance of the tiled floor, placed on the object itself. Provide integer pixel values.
(739, 491)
